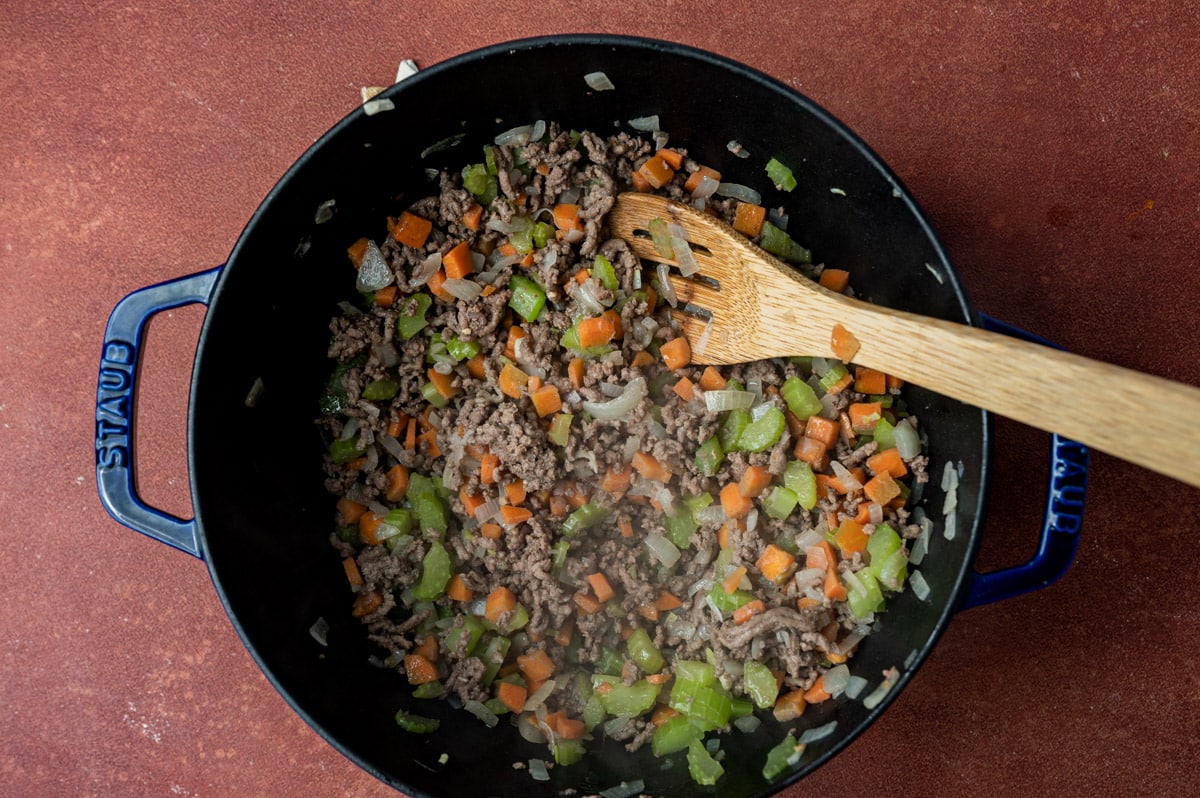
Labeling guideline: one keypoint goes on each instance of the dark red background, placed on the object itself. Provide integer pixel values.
(1055, 148)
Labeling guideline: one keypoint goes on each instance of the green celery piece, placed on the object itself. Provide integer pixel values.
(471, 627)
(481, 182)
(432, 395)
(430, 509)
(401, 519)
(567, 752)
(778, 758)
(541, 234)
(728, 602)
(740, 707)
(527, 299)
(642, 651)
(522, 240)
(884, 434)
(869, 600)
(730, 431)
(381, 389)
(760, 684)
(493, 657)
(559, 556)
(780, 502)
(411, 319)
(760, 435)
(691, 670)
(704, 770)
(673, 735)
(435, 573)
(893, 571)
(463, 350)
(710, 707)
(602, 270)
(800, 398)
(583, 518)
(518, 619)
(593, 712)
(497, 706)
(798, 477)
(570, 339)
(780, 175)
(610, 662)
(630, 700)
(434, 689)
(680, 528)
(489, 160)
(837, 372)
(560, 429)
(416, 724)
(779, 243)
(882, 542)
(343, 451)
(709, 456)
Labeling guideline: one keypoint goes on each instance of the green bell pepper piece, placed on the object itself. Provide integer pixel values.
(527, 299)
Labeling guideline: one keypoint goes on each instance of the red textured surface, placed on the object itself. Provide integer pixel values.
(138, 139)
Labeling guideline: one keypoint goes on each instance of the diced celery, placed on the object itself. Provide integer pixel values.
(493, 657)
(610, 662)
(801, 399)
(593, 712)
(462, 350)
(869, 599)
(780, 175)
(710, 707)
(516, 620)
(489, 160)
(343, 451)
(680, 528)
(603, 271)
(528, 298)
(435, 573)
(779, 758)
(760, 684)
(703, 768)
(411, 319)
(731, 429)
(893, 571)
(799, 478)
(884, 434)
(541, 233)
(837, 372)
(642, 651)
(780, 502)
(381, 389)
(567, 752)
(434, 689)
(660, 237)
(882, 542)
(522, 240)
(584, 517)
(471, 628)
(760, 435)
(430, 509)
(401, 519)
(709, 456)
(779, 243)
(674, 735)
(701, 673)
(432, 395)
(496, 706)
(630, 700)
(558, 553)
(560, 429)
(740, 707)
(416, 724)
(570, 340)
(728, 602)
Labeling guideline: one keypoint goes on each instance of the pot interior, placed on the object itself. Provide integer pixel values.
(256, 477)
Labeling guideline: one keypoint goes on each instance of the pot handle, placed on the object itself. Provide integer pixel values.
(119, 359)
(1063, 518)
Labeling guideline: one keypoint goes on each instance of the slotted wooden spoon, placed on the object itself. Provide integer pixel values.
(761, 308)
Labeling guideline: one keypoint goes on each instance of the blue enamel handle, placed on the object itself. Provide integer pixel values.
(1060, 527)
(119, 360)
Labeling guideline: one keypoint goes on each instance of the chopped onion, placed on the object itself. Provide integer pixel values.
(920, 587)
(487, 511)
(834, 680)
(426, 269)
(737, 149)
(848, 480)
(664, 550)
(656, 430)
(598, 81)
(372, 107)
(847, 643)
(748, 723)
(740, 192)
(722, 400)
(463, 289)
(751, 525)
(324, 211)
(539, 696)
(808, 538)
(819, 733)
(702, 341)
(712, 514)
(406, 69)
(587, 298)
(256, 390)
(683, 251)
(667, 290)
(809, 577)
(908, 443)
(522, 134)
(477, 709)
(777, 217)
(373, 272)
(855, 685)
(386, 353)
(514, 225)
(874, 512)
(706, 188)
(319, 630)
(911, 658)
(614, 725)
(645, 123)
(880, 692)
(537, 768)
(625, 789)
(632, 444)
(609, 389)
(759, 410)
(350, 429)
(621, 406)
(444, 144)
(574, 235)
(661, 137)
(951, 528)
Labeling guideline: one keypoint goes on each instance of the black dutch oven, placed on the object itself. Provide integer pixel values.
(262, 518)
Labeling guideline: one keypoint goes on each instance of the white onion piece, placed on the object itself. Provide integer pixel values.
(656, 430)
(610, 389)
(834, 680)
(516, 224)
(539, 130)
(712, 514)
(661, 137)
(951, 528)
(855, 685)
(848, 480)
(461, 288)
(818, 733)
(739, 192)
(478, 260)
(809, 577)
(406, 69)
(426, 269)
(721, 400)
(537, 769)
(759, 410)
(706, 187)
(737, 149)
(574, 235)
(645, 123)
(874, 512)
(820, 366)
(528, 730)
(632, 444)
(350, 429)
(808, 538)
(386, 353)
(684, 259)
(477, 709)
(372, 107)
(908, 443)
(663, 550)
(621, 406)
(598, 81)
(539, 696)
(487, 511)
(751, 525)
(880, 692)
(668, 290)
(625, 789)
(373, 272)
(324, 212)
(702, 341)
(588, 301)
(920, 587)
(319, 630)
(518, 135)
(748, 724)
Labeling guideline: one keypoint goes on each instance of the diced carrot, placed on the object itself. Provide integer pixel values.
(515, 491)
(748, 611)
(650, 468)
(514, 515)
(565, 632)
(684, 389)
(648, 611)
(444, 383)
(662, 714)
(834, 589)
(470, 501)
(836, 658)
(385, 296)
(843, 343)
(575, 372)
(807, 603)
(734, 503)
(616, 482)
(651, 297)
(826, 483)
(587, 603)
(693, 181)
(676, 353)
(353, 575)
(862, 513)
(397, 477)
(349, 511)
(820, 556)
(822, 429)
(596, 331)
(368, 525)
(835, 280)
(491, 531)
(888, 461)
(396, 428)
(869, 381)
(730, 583)
(711, 379)
(625, 526)
(511, 695)
(845, 382)
(775, 563)
(582, 276)
(427, 441)
(850, 537)
(499, 601)
(357, 250)
(546, 400)
(640, 183)
(882, 488)
(488, 465)
(515, 333)
(601, 587)
(790, 706)
(428, 648)
(512, 380)
(673, 159)
(748, 219)
(894, 383)
(570, 729)
(458, 262)
(559, 506)
(656, 171)
(435, 286)
(642, 359)
(410, 435)
(817, 693)
(488, 290)
(419, 669)
(723, 536)
(457, 589)
(667, 601)
(755, 479)
(410, 229)
(472, 216)
(536, 665)
(566, 216)
(367, 603)
(864, 415)
(618, 325)
(846, 428)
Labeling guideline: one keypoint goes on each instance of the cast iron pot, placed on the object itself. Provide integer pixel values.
(262, 518)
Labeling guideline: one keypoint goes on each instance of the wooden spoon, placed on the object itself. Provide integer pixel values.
(762, 308)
